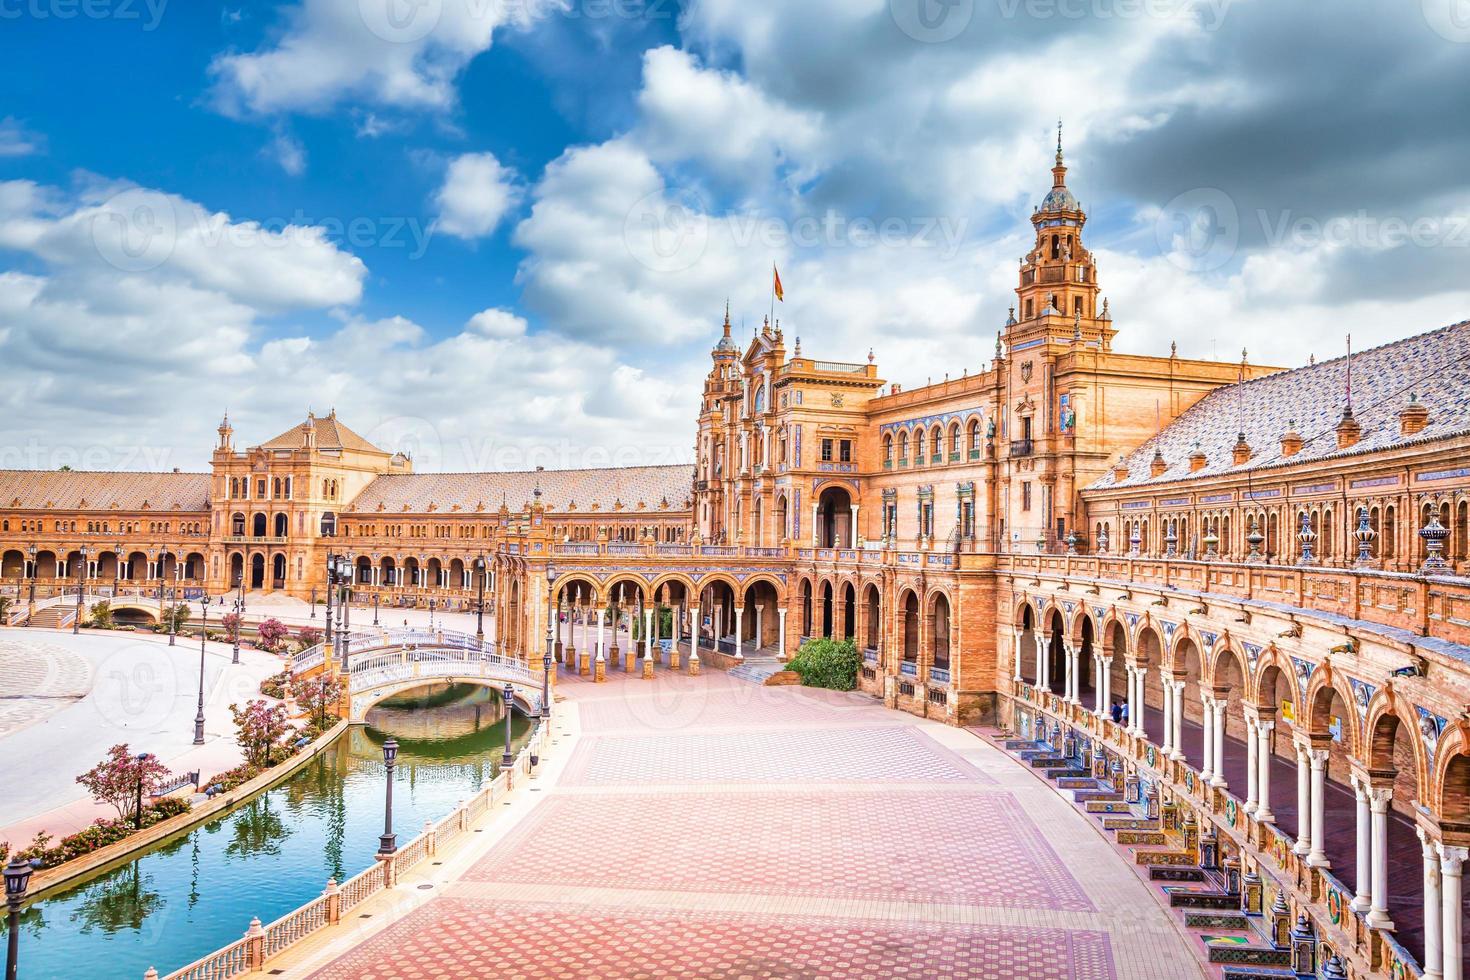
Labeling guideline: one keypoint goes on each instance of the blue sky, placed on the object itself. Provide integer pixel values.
(502, 232)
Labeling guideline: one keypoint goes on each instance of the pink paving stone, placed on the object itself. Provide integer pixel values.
(978, 849)
(718, 703)
(820, 755)
(475, 938)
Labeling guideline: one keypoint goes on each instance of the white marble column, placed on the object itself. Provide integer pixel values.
(1219, 743)
(1135, 701)
(1363, 857)
(1378, 802)
(1317, 856)
(1040, 661)
(759, 630)
(1168, 710)
(1099, 686)
(1018, 656)
(648, 638)
(1451, 868)
(694, 634)
(816, 530)
(738, 613)
(781, 640)
(1433, 963)
(1207, 727)
(1177, 741)
(1263, 775)
(852, 533)
(1251, 755)
(601, 619)
(1303, 801)
(1070, 671)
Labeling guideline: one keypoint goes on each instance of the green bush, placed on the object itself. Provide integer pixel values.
(832, 664)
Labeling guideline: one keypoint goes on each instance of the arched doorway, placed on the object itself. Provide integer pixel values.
(910, 628)
(834, 519)
(257, 571)
(827, 609)
(278, 572)
(939, 632)
(873, 617)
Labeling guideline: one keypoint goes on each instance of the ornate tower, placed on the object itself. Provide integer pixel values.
(1057, 296)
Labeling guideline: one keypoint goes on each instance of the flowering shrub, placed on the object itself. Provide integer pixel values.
(231, 623)
(274, 686)
(318, 695)
(117, 779)
(308, 637)
(259, 729)
(101, 833)
(270, 634)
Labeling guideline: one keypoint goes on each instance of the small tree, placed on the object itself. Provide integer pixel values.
(231, 623)
(259, 728)
(101, 616)
(176, 616)
(827, 663)
(116, 778)
(318, 695)
(308, 637)
(270, 634)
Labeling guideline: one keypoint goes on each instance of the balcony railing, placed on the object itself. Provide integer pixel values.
(1022, 447)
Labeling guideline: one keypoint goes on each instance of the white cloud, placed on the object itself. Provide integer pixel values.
(383, 52)
(497, 324)
(17, 141)
(477, 192)
(289, 153)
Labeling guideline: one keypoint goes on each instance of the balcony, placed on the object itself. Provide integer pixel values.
(1022, 447)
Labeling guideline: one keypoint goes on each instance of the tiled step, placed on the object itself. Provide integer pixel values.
(1248, 955)
(1164, 857)
(1052, 761)
(1137, 837)
(1176, 874)
(1062, 772)
(1098, 795)
(1257, 973)
(1077, 782)
(1020, 745)
(1130, 823)
(1233, 921)
(1107, 806)
(1181, 899)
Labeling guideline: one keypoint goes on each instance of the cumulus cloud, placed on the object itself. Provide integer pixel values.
(404, 56)
(476, 194)
(18, 141)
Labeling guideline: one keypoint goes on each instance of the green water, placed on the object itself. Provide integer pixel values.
(197, 892)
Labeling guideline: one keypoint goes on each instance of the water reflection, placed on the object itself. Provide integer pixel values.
(198, 892)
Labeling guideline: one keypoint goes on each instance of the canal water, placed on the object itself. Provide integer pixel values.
(197, 892)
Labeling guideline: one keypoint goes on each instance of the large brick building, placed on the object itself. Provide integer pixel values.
(1265, 566)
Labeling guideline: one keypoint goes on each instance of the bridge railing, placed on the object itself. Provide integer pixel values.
(249, 953)
(362, 642)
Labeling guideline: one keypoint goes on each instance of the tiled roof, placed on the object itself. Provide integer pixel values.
(71, 490)
(330, 434)
(1433, 366)
(561, 490)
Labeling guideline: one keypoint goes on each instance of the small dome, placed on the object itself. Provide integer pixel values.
(1060, 199)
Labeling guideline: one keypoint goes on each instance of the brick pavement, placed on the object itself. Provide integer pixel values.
(779, 840)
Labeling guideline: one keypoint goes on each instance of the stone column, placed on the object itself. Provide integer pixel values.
(738, 655)
(759, 627)
(1433, 903)
(1018, 656)
(1378, 801)
(816, 529)
(648, 642)
(1219, 742)
(1451, 867)
(1363, 860)
(1099, 686)
(1135, 701)
(1107, 685)
(1069, 672)
(852, 534)
(781, 640)
(1207, 724)
(693, 640)
(1263, 777)
(1040, 662)
(1316, 856)
(1303, 801)
(1168, 708)
(1250, 763)
(1177, 753)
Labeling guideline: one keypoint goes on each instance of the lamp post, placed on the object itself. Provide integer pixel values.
(203, 634)
(31, 600)
(330, 590)
(480, 601)
(138, 803)
(388, 842)
(550, 634)
(117, 569)
(173, 602)
(506, 759)
(76, 623)
(431, 615)
(375, 609)
(17, 880)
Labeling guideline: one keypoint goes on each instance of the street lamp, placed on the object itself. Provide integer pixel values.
(17, 880)
(76, 623)
(173, 602)
(550, 636)
(375, 609)
(117, 569)
(31, 601)
(203, 634)
(330, 590)
(506, 759)
(388, 842)
(480, 601)
(138, 804)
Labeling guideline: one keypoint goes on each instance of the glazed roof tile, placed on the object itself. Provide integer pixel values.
(561, 490)
(1434, 367)
(82, 490)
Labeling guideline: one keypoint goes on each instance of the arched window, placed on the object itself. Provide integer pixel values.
(258, 525)
(237, 525)
(954, 440)
(919, 448)
(903, 448)
(888, 449)
(974, 438)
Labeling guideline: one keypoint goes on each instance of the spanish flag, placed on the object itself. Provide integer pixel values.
(780, 293)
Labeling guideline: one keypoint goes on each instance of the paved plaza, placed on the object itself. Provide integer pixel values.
(710, 827)
(65, 700)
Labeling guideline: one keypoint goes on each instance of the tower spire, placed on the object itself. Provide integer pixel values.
(1059, 172)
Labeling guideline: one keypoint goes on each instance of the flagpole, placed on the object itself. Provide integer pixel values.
(772, 321)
